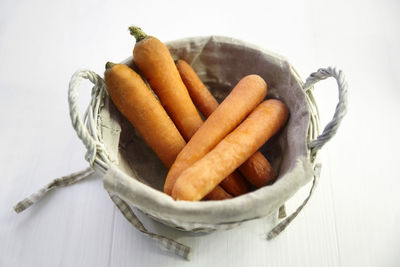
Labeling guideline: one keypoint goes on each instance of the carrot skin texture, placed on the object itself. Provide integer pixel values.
(235, 184)
(257, 169)
(158, 67)
(203, 99)
(200, 178)
(137, 103)
(218, 194)
(246, 95)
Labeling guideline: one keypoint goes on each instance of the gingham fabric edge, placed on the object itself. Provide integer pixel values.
(282, 225)
(59, 182)
(165, 243)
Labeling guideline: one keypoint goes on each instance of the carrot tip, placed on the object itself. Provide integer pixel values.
(109, 65)
(137, 33)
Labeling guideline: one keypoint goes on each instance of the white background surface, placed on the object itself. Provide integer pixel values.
(352, 220)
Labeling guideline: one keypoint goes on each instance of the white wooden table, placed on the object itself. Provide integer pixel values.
(352, 220)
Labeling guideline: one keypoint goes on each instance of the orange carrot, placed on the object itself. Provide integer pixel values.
(137, 103)
(246, 95)
(202, 98)
(217, 194)
(207, 104)
(235, 184)
(158, 67)
(257, 169)
(200, 178)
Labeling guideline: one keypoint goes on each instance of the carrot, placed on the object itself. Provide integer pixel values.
(257, 169)
(217, 194)
(158, 67)
(207, 104)
(246, 95)
(200, 178)
(202, 98)
(235, 184)
(137, 103)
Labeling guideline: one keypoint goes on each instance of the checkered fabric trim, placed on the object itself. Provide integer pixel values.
(164, 243)
(282, 225)
(59, 182)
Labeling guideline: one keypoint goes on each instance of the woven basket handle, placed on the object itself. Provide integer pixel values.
(86, 128)
(341, 108)
(316, 144)
(87, 133)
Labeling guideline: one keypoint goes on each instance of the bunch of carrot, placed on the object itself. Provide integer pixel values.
(209, 159)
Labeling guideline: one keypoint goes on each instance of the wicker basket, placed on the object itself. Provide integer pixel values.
(136, 181)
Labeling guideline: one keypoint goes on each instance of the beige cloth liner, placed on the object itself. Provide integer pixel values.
(137, 175)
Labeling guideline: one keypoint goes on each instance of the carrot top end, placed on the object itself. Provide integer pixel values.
(109, 65)
(137, 33)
